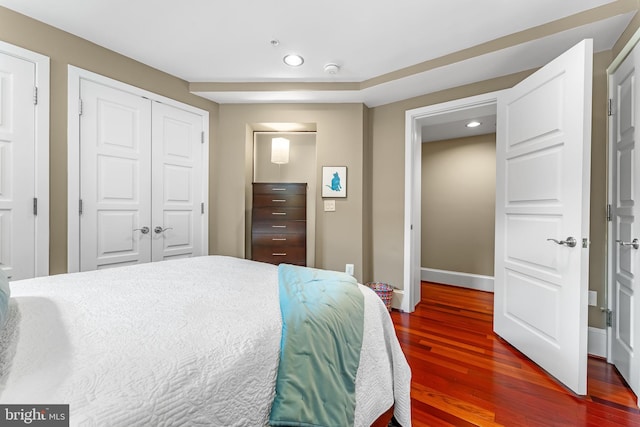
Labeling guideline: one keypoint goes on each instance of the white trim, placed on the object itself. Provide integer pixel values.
(413, 169)
(396, 300)
(635, 38)
(42, 68)
(597, 342)
(455, 278)
(76, 74)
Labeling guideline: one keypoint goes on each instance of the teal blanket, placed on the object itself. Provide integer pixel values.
(322, 324)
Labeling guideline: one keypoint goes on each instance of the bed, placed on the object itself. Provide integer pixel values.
(182, 342)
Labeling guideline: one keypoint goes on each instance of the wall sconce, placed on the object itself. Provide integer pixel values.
(280, 151)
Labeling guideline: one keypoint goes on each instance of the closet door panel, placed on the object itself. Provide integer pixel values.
(115, 177)
(177, 182)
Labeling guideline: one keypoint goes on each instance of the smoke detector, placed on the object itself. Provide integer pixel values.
(331, 68)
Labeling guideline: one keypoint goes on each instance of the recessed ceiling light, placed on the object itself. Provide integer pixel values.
(293, 60)
(473, 124)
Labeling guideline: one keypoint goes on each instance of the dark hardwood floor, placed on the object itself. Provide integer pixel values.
(465, 375)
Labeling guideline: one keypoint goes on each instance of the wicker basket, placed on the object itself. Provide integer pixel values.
(384, 291)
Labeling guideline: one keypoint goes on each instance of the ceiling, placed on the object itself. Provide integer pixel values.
(387, 51)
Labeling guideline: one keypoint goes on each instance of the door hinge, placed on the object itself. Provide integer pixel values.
(79, 107)
(609, 213)
(202, 208)
(35, 206)
(610, 108)
(202, 137)
(80, 207)
(608, 316)
(35, 95)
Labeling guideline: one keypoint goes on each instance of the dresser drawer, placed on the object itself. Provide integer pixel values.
(295, 255)
(279, 188)
(279, 227)
(278, 240)
(273, 213)
(279, 200)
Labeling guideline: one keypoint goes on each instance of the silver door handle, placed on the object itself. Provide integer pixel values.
(143, 230)
(159, 229)
(634, 243)
(570, 242)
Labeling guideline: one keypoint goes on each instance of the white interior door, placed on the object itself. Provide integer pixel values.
(625, 209)
(543, 173)
(17, 167)
(177, 182)
(115, 177)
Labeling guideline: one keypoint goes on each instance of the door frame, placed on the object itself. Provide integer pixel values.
(74, 76)
(611, 69)
(413, 171)
(41, 166)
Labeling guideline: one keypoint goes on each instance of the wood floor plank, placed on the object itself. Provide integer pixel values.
(465, 375)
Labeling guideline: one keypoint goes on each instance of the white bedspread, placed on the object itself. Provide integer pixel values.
(183, 342)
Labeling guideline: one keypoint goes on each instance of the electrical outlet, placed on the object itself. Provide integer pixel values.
(349, 269)
(593, 298)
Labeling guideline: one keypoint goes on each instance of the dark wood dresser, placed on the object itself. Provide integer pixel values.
(279, 223)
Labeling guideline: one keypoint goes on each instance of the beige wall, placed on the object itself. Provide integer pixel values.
(63, 49)
(339, 142)
(458, 204)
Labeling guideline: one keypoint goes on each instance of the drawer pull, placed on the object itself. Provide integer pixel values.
(278, 189)
(278, 213)
(279, 254)
(279, 201)
(277, 239)
(278, 226)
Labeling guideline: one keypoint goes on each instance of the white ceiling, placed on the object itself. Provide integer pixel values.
(418, 41)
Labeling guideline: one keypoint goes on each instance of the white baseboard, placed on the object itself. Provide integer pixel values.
(454, 278)
(597, 342)
(396, 301)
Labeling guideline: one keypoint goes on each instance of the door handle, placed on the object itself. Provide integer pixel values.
(634, 243)
(143, 230)
(570, 242)
(159, 229)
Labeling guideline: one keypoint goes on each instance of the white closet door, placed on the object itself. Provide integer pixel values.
(177, 154)
(115, 171)
(17, 167)
(625, 254)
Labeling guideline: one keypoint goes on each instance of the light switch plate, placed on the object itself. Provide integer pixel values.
(329, 205)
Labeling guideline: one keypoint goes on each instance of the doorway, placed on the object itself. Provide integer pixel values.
(458, 199)
(416, 121)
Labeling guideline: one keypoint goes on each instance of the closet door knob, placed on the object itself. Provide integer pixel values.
(159, 229)
(143, 230)
(634, 243)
